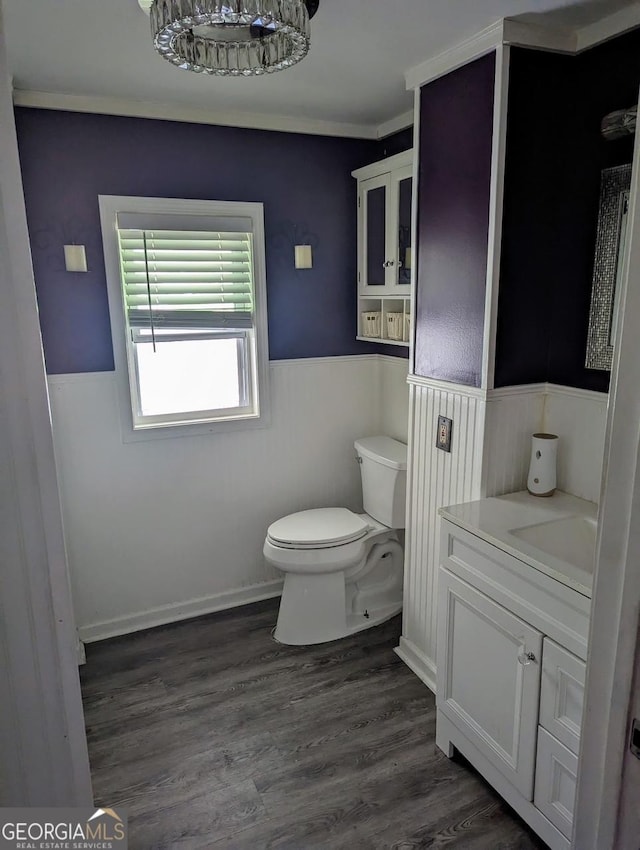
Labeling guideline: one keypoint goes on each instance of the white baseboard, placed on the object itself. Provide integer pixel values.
(180, 611)
(417, 661)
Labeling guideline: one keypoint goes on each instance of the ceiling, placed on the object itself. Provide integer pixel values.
(354, 73)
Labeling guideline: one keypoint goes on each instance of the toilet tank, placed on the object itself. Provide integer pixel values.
(383, 466)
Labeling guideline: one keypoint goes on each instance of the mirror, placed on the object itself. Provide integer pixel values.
(608, 266)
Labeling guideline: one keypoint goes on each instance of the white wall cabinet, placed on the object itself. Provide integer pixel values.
(509, 690)
(385, 252)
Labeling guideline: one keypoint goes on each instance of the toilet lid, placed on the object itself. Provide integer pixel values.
(318, 529)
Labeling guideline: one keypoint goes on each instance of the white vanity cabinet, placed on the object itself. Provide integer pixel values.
(512, 645)
(385, 254)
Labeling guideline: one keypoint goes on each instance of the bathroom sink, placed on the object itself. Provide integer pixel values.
(570, 539)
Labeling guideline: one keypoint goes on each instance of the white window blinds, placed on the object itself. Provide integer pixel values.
(200, 278)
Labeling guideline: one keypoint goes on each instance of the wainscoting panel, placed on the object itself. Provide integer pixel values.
(436, 479)
(393, 397)
(161, 529)
(513, 415)
(579, 418)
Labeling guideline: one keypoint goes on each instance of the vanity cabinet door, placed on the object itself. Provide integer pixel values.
(489, 678)
(562, 694)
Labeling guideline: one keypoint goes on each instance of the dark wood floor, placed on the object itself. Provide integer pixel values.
(212, 735)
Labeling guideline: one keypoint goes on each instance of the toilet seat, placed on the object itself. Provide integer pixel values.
(320, 528)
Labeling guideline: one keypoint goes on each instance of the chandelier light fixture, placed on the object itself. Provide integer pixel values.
(238, 38)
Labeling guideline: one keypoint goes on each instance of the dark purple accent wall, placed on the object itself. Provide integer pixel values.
(555, 154)
(397, 143)
(456, 127)
(305, 183)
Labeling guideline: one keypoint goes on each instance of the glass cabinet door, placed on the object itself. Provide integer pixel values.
(386, 254)
(374, 206)
(405, 249)
(402, 194)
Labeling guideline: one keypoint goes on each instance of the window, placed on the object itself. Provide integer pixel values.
(187, 302)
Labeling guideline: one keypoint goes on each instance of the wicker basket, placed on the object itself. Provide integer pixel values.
(371, 322)
(395, 326)
(407, 327)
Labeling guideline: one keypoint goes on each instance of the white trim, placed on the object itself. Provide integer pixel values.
(519, 389)
(557, 40)
(80, 377)
(446, 386)
(391, 358)
(394, 125)
(616, 24)
(494, 251)
(338, 358)
(190, 114)
(418, 662)
(110, 375)
(576, 392)
(460, 54)
(511, 31)
(414, 227)
(42, 734)
(110, 207)
(616, 598)
(177, 611)
(546, 389)
(384, 166)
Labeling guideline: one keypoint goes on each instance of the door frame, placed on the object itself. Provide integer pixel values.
(616, 598)
(42, 736)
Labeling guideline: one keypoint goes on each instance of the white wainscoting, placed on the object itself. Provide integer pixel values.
(490, 456)
(393, 397)
(164, 529)
(578, 417)
(513, 415)
(435, 479)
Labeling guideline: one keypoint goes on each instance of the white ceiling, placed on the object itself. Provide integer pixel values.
(354, 73)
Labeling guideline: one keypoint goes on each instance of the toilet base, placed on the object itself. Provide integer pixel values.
(303, 622)
(322, 607)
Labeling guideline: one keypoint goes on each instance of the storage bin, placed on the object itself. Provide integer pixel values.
(395, 326)
(407, 327)
(371, 323)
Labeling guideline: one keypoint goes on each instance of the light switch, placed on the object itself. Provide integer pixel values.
(75, 258)
(443, 437)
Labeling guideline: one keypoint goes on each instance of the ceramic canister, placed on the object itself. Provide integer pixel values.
(542, 469)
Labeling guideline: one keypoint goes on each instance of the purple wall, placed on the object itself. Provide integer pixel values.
(305, 183)
(456, 126)
(552, 182)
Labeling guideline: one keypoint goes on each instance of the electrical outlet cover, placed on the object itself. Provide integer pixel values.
(443, 437)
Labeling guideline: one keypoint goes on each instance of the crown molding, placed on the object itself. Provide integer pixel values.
(616, 24)
(515, 32)
(523, 34)
(190, 114)
(460, 54)
(394, 125)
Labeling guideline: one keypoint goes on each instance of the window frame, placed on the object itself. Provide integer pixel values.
(112, 205)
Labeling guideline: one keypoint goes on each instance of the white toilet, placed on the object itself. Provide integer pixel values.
(343, 571)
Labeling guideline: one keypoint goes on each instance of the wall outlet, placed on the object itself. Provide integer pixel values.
(443, 437)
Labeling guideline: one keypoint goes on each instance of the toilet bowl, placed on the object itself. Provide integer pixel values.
(342, 570)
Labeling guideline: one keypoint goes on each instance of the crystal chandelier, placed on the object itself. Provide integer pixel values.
(238, 38)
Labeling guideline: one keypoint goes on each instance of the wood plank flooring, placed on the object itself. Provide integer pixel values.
(212, 735)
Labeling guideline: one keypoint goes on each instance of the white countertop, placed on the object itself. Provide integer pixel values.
(555, 535)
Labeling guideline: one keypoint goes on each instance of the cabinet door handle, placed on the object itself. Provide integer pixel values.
(525, 658)
(387, 264)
